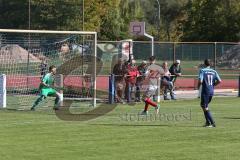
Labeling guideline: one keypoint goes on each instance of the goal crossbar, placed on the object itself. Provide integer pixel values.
(46, 31)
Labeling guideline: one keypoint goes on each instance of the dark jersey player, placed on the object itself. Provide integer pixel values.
(208, 78)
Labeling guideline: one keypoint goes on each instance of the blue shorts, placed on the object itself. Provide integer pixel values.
(205, 100)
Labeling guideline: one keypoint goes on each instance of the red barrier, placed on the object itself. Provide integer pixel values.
(102, 82)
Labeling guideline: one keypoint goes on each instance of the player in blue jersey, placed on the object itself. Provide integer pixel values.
(208, 78)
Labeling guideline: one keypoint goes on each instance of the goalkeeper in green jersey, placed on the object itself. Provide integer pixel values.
(46, 88)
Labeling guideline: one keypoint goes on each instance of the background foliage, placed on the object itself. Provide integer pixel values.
(180, 20)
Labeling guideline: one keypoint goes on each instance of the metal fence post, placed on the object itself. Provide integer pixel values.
(111, 91)
(215, 55)
(239, 85)
(129, 98)
(159, 90)
(174, 52)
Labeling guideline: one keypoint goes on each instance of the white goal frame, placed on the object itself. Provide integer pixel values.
(65, 32)
(3, 91)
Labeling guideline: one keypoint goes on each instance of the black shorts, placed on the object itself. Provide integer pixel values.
(205, 100)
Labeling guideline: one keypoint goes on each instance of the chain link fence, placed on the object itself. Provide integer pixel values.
(225, 58)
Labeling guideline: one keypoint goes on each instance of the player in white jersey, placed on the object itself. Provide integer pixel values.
(153, 74)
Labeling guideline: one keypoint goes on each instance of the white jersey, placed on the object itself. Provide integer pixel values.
(153, 74)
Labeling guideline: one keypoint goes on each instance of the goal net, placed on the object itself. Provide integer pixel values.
(25, 56)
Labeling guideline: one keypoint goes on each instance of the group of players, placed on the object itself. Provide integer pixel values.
(208, 78)
(130, 79)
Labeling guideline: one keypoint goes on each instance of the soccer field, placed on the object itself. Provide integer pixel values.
(177, 134)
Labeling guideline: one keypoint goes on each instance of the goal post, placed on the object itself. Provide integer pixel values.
(25, 56)
(3, 91)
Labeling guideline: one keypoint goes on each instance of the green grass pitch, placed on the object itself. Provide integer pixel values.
(120, 134)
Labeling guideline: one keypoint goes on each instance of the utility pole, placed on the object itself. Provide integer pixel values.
(159, 18)
(83, 15)
(29, 14)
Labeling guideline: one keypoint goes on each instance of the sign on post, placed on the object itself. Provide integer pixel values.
(127, 49)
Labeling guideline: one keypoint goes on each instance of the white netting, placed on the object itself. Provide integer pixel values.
(25, 57)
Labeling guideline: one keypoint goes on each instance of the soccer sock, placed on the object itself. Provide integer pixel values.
(210, 117)
(57, 101)
(40, 99)
(206, 117)
(146, 107)
(148, 101)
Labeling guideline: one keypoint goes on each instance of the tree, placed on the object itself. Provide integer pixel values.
(56, 15)
(13, 14)
(181, 20)
(212, 20)
(142, 10)
(172, 16)
(111, 22)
